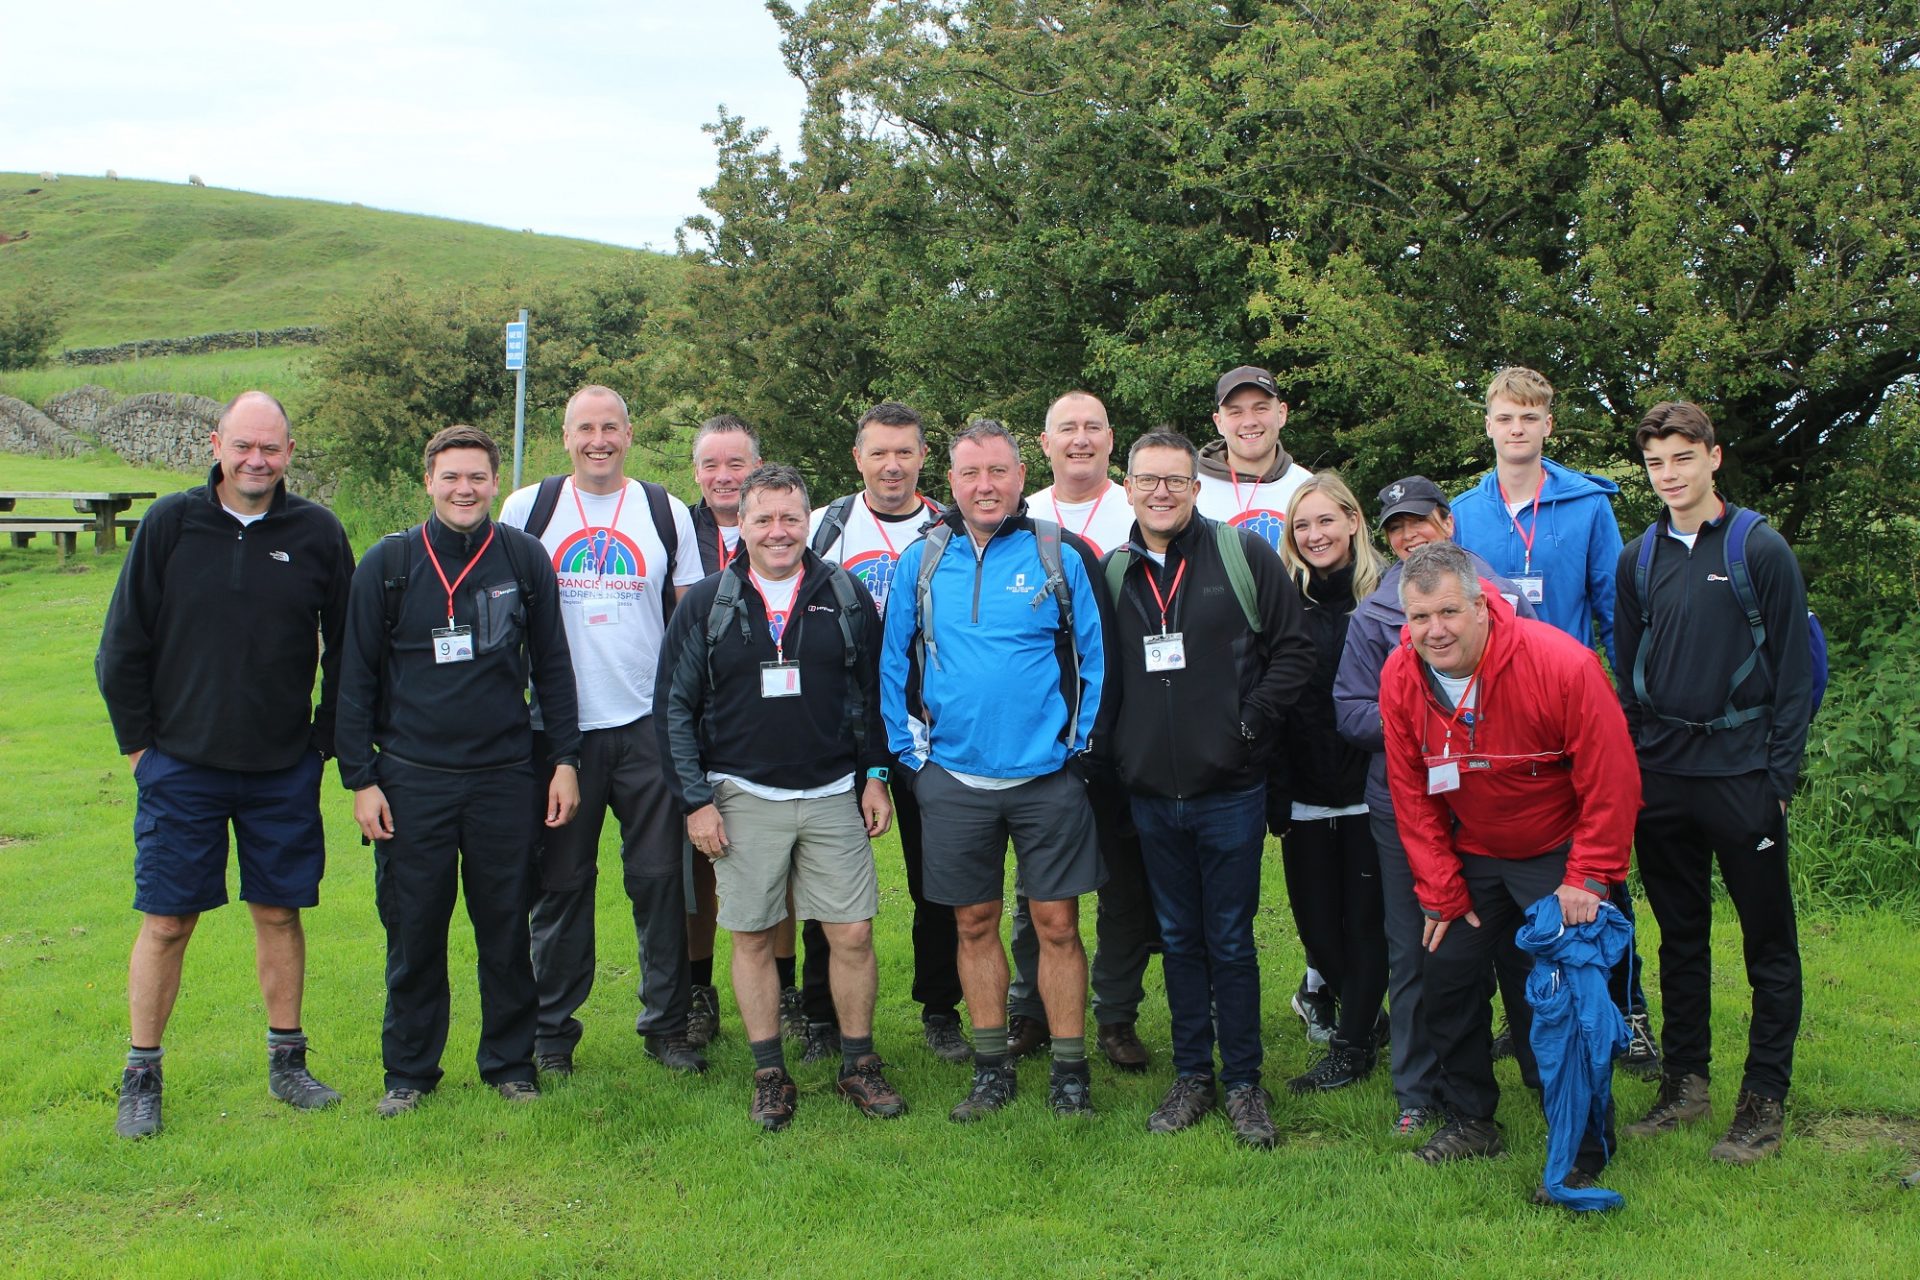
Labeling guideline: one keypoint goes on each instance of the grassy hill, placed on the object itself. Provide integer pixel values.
(153, 259)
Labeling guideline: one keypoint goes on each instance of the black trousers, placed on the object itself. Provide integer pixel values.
(1458, 1005)
(1333, 885)
(619, 769)
(1685, 823)
(455, 831)
(936, 936)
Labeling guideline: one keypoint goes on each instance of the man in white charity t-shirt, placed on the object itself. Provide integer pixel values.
(1078, 442)
(612, 569)
(1249, 478)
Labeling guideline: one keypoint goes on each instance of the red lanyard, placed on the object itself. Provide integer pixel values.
(1533, 524)
(1233, 478)
(1172, 591)
(453, 586)
(1088, 522)
(600, 565)
(780, 636)
(1460, 708)
(881, 525)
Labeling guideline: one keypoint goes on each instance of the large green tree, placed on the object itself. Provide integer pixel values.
(996, 200)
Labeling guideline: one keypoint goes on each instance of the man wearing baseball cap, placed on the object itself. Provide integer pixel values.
(1251, 477)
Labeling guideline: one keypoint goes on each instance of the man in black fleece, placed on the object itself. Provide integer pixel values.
(228, 594)
(444, 625)
(768, 707)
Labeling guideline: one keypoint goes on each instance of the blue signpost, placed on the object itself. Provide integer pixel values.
(517, 361)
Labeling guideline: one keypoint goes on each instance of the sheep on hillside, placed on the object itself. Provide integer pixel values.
(49, 177)
(195, 180)
(112, 176)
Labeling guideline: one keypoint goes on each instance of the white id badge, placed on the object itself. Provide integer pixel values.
(600, 608)
(1443, 777)
(1167, 652)
(452, 644)
(779, 679)
(1532, 586)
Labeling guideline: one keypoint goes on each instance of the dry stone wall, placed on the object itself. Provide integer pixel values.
(24, 429)
(79, 410)
(161, 429)
(300, 335)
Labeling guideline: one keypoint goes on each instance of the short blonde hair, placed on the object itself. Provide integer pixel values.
(1367, 563)
(1522, 386)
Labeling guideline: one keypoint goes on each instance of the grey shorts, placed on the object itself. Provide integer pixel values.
(965, 834)
(819, 846)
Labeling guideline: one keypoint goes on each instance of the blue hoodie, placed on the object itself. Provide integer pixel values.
(1576, 548)
(992, 691)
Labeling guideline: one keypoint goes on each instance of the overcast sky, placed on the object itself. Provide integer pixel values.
(574, 117)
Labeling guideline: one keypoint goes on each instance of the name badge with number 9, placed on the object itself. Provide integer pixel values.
(452, 644)
(1167, 652)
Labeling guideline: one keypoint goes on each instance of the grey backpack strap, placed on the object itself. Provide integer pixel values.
(849, 602)
(936, 545)
(833, 523)
(1047, 535)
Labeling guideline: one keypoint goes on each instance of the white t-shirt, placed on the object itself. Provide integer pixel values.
(1684, 539)
(1251, 505)
(245, 518)
(610, 592)
(1104, 521)
(778, 598)
(869, 547)
(1457, 687)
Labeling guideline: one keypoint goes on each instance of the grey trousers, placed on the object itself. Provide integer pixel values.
(1416, 1068)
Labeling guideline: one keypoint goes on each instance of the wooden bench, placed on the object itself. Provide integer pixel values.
(64, 530)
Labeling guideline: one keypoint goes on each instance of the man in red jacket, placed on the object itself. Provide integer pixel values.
(1513, 778)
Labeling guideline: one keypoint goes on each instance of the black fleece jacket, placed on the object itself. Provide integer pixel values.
(708, 709)
(457, 716)
(1698, 639)
(1323, 768)
(1212, 726)
(209, 645)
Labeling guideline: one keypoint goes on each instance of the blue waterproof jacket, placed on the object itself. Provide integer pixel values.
(1576, 546)
(992, 692)
(1577, 1033)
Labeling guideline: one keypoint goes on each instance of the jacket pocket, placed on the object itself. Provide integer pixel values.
(500, 617)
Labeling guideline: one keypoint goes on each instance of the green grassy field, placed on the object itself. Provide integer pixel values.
(627, 1169)
(154, 259)
(217, 375)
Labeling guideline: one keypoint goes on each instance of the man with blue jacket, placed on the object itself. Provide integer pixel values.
(1551, 531)
(990, 681)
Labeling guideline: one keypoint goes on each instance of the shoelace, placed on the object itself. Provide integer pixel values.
(767, 1091)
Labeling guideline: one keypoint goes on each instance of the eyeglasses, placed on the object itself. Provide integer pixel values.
(1175, 484)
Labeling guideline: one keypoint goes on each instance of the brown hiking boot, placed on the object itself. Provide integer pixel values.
(1122, 1046)
(1463, 1140)
(1758, 1125)
(1026, 1035)
(774, 1097)
(865, 1087)
(1681, 1100)
(1578, 1179)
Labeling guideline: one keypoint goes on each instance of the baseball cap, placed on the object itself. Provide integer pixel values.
(1411, 495)
(1245, 376)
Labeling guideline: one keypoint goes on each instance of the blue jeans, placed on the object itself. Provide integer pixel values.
(1202, 858)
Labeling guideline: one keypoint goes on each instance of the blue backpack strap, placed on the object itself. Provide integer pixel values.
(1739, 525)
(1642, 566)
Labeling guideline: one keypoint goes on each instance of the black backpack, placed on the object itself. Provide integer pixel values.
(728, 607)
(547, 498)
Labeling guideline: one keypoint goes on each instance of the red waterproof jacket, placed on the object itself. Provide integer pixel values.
(1545, 761)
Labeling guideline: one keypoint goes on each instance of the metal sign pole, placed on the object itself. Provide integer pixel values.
(517, 361)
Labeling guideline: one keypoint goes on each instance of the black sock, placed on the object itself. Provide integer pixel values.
(768, 1053)
(702, 971)
(854, 1048)
(783, 965)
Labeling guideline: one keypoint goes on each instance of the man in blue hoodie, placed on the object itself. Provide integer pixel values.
(1551, 530)
(989, 683)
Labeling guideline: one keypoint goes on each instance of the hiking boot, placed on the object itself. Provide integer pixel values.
(1188, 1099)
(993, 1088)
(1642, 1057)
(1578, 1179)
(1026, 1036)
(1463, 1140)
(1070, 1089)
(289, 1080)
(670, 1049)
(1413, 1119)
(1503, 1042)
(397, 1102)
(1681, 1100)
(703, 1017)
(1247, 1110)
(942, 1032)
(139, 1102)
(1338, 1069)
(555, 1062)
(1759, 1122)
(518, 1090)
(773, 1099)
(1122, 1047)
(823, 1043)
(865, 1087)
(793, 1015)
(1319, 1010)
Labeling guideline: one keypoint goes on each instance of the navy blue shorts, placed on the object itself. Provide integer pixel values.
(180, 835)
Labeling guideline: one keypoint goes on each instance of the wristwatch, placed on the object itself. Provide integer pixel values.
(879, 775)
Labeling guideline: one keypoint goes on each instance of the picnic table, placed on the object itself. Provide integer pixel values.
(99, 512)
